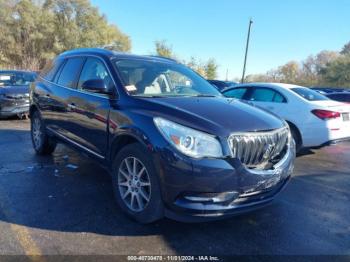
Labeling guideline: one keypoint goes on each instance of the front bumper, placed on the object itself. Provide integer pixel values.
(11, 108)
(208, 189)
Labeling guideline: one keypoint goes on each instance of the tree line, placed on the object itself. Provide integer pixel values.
(327, 68)
(34, 31)
(207, 69)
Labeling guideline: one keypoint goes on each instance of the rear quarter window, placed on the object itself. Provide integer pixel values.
(309, 94)
(51, 69)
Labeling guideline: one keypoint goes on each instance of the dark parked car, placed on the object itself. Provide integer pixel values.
(172, 143)
(221, 85)
(14, 92)
(340, 96)
(329, 90)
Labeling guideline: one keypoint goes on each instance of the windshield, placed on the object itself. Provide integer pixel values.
(16, 78)
(158, 79)
(309, 94)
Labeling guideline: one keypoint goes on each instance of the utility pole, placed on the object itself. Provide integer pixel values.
(227, 74)
(246, 50)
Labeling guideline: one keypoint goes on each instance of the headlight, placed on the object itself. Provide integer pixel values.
(188, 141)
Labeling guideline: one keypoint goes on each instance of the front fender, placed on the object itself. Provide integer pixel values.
(125, 135)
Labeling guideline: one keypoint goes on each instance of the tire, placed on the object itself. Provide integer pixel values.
(143, 187)
(296, 138)
(42, 143)
(23, 116)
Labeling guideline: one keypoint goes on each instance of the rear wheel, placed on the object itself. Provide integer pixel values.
(135, 184)
(23, 116)
(42, 143)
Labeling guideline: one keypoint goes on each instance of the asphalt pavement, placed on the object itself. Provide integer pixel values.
(63, 204)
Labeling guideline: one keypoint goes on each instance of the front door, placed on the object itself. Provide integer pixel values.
(90, 110)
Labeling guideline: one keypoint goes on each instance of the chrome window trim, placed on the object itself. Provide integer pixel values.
(75, 143)
(79, 90)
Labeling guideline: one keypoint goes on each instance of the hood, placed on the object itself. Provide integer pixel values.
(14, 90)
(217, 116)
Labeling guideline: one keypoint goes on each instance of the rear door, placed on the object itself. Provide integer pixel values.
(269, 99)
(239, 92)
(53, 92)
(43, 89)
(60, 93)
(89, 110)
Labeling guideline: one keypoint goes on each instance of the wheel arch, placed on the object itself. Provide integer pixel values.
(294, 127)
(32, 109)
(125, 138)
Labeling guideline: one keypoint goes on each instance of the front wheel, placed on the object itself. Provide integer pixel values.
(297, 139)
(42, 143)
(136, 186)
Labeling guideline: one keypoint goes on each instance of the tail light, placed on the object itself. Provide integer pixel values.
(325, 114)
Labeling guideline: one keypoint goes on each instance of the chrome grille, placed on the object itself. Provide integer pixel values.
(257, 149)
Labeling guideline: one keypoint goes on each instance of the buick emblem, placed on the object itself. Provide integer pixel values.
(268, 150)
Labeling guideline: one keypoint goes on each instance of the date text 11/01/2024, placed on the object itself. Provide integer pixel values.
(172, 258)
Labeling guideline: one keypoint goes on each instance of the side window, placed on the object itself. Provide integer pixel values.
(70, 72)
(279, 98)
(94, 68)
(59, 70)
(266, 95)
(50, 69)
(236, 93)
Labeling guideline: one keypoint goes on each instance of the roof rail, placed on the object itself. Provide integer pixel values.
(163, 57)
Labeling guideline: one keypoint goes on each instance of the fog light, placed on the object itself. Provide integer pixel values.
(213, 197)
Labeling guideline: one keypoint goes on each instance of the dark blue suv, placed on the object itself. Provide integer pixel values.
(172, 143)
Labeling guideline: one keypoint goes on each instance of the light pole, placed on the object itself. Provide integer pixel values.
(246, 50)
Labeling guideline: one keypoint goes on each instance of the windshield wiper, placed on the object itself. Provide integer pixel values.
(150, 96)
(182, 95)
(205, 95)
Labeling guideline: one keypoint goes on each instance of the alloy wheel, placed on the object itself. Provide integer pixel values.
(134, 184)
(36, 132)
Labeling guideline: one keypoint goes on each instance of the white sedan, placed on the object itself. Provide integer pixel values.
(314, 119)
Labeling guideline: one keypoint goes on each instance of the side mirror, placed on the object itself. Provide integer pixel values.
(96, 86)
